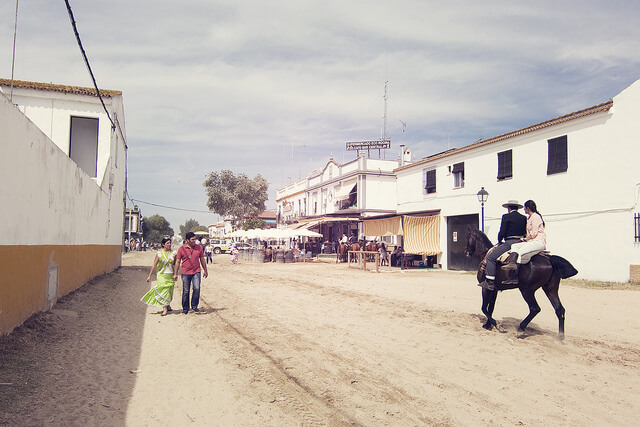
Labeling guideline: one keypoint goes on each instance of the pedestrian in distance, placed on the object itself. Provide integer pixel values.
(207, 252)
(191, 256)
(162, 293)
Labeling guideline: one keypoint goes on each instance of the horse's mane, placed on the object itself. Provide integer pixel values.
(483, 237)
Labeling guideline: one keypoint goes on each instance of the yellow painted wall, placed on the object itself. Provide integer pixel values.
(25, 269)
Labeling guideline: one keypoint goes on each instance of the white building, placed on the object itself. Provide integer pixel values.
(335, 198)
(63, 167)
(580, 169)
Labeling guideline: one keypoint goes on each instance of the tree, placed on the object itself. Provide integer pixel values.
(155, 228)
(191, 225)
(236, 196)
(253, 223)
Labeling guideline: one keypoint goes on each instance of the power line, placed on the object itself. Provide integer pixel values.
(13, 57)
(86, 61)
(169, 207)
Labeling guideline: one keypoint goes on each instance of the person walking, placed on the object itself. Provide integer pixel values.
(191, 256)
(512, 228)
(207, 252)
(162, 293)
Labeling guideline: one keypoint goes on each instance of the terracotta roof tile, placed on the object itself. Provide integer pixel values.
(59, 88)
(605, 106)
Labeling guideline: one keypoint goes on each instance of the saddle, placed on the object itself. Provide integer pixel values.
(525, 257)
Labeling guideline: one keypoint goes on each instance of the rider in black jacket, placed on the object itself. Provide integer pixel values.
(512, 228)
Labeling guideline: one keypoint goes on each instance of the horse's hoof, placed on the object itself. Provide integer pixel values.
(561, 337)
(487, 326)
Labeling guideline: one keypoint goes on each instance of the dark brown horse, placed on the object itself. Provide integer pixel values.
(371, 247)
(542, 271)
(341, 252)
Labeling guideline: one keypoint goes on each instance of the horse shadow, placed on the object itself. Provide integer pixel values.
(511, 324)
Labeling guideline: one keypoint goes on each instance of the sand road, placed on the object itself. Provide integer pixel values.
(321, 344)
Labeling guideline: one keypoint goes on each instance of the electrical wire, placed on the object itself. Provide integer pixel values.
(86, 61)
(13, 57)
(169, 207)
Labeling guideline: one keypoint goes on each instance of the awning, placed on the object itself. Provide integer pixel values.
(422, 235)
(383, 227)
(344, 192)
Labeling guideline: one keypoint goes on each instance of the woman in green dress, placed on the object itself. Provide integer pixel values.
(162, 293)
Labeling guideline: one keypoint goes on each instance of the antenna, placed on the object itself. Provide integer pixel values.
(404, 126)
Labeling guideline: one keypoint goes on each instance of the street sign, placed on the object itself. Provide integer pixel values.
(369, 145)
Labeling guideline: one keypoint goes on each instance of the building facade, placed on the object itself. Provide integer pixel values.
(335, 198)
(580, 169)
(64, 169)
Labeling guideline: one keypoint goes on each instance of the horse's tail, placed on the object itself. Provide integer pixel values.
(562, 266)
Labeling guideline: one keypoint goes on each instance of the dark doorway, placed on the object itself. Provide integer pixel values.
(457, 242)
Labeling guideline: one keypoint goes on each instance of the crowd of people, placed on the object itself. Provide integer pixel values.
(519, 234)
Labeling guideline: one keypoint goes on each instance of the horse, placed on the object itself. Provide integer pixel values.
(341, 252)
(371, 247)
(542, 271)
(356, 247)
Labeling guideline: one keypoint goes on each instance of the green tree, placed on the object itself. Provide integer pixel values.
(155, 227)
(253, 223)
(236, 196)
(191, 225)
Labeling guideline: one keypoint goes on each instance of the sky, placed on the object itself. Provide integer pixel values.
(278, 87)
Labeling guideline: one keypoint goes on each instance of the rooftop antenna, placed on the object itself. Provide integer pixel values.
(404, 127)
(384, 118)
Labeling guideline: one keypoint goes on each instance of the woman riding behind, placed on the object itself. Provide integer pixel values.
(535, 241)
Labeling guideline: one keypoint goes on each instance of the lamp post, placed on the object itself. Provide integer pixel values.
(483, 195)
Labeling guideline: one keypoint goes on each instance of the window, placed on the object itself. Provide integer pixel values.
(505, 165)
(83, 144)
(458, 175)
(430, 181)
(636, 219)
(557, 155)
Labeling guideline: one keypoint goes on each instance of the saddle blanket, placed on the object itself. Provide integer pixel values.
(525, 257)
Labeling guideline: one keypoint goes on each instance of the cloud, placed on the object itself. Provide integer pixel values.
(277, 87)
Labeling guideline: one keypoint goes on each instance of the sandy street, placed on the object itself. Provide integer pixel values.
(321, 344)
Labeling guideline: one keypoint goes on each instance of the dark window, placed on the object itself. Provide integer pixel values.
(557, 155)
(505, 165)
(430, 185)
(458, 174)
(83, 144)
(636, 218)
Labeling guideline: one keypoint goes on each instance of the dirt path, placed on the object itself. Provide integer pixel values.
(320, 344)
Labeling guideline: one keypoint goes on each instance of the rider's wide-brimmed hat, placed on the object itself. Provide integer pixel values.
(512, 203)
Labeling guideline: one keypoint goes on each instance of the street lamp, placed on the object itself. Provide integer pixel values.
(483, 195)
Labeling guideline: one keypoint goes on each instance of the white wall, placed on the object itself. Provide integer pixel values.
(51, 200)
(588, 209)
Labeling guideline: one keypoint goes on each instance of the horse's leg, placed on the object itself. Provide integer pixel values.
(488, 304)
(551, 289)
(529, 296)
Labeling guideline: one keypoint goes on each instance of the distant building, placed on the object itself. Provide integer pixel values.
(333, 200)
(63, 163)
(269, 218)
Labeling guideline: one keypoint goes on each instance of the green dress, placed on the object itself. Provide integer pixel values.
(162, 293)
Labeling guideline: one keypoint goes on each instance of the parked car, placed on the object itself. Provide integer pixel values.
(243, 246)
(220, 246)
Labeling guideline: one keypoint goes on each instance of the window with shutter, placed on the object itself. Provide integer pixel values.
(505, 165)
(558, 159)
(430, 185)
(458, 175)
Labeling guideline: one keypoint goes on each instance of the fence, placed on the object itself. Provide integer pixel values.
(359, 258)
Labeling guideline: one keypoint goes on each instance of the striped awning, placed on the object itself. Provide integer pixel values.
(422, 235)
(383, 227)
